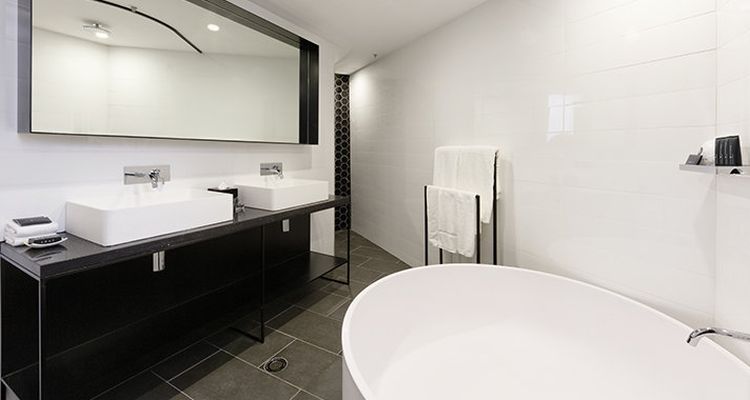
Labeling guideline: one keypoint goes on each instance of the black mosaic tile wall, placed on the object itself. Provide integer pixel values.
(343, 149)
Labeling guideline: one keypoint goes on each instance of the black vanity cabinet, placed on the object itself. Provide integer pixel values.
(80, 318)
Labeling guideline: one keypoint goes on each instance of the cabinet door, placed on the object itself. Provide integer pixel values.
(286, 240)
(87, 305)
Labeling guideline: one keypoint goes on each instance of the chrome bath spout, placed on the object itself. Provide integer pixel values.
(696, 335)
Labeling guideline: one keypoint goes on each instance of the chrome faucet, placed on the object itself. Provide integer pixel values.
(696, 335)
(153, 174)
(275, 168)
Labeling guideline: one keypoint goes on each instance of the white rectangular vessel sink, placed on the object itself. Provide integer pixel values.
(272, 193)
(116, 219)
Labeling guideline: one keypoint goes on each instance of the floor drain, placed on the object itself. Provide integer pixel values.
(276, 364)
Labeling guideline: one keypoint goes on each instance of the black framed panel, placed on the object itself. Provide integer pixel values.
(309, 89)
(309, 71)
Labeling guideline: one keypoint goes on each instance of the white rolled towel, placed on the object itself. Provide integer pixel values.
(16, 241)
(31, 230)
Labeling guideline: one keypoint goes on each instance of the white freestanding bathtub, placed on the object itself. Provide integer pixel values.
(481, 332)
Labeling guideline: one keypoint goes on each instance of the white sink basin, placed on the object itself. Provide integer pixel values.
(272, 193)
(115, 219)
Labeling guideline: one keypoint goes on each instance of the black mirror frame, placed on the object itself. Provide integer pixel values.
(309, 69)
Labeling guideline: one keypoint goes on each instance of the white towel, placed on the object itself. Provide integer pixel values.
(451, 220)
(468, 168)
(18, 240)
(31, 230)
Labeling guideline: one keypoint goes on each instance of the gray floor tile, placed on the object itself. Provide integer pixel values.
(318, 301)
(184, 360)
(251, 324)
(358, 259)
(358, 274)
(304, 396)
(351, 291)
(359, 240)
(243, 347)
(316, 329)
(374, 252)
(312, 369)
(145, 386)
(339, 313)
(386, 267)
(277, 306)
(223, 377)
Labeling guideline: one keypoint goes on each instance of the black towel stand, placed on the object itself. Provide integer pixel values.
(479, 224)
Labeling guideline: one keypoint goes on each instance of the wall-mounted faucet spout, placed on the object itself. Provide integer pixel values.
(274, 168)
(696, 335)
(154, 174)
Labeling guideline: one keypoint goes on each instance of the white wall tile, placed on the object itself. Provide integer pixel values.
(733, 195)
(593, 103)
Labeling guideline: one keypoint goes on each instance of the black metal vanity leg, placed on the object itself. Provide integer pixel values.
(494, 214)
(42, 339)
(479, 231)
(3, 392)
(262, 285)
(349, 243)
(426, 231)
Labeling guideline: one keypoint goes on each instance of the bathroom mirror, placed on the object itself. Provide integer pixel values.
(177, 69)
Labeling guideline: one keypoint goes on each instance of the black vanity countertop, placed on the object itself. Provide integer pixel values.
(76, 254)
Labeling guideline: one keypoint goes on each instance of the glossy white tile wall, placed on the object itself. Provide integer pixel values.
(39, 172)
(593, 104)
(733, 195)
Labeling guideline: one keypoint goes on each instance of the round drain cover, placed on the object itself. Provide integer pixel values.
(276, 364)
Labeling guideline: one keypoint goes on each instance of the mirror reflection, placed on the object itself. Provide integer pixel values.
(164, 69)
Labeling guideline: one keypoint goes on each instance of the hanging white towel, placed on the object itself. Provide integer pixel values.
(451, 219)
(468, 168)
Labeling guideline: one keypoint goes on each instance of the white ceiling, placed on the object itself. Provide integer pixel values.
(366, 27)
(129, 30)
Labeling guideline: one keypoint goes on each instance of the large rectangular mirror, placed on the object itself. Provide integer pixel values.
(178, 69)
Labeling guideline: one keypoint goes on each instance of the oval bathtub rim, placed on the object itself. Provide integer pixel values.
(361, 384)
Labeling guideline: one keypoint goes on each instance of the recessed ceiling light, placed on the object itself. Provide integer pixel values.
(97, 29)
(213, 27)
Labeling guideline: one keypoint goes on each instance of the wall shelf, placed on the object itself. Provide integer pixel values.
(743, 171)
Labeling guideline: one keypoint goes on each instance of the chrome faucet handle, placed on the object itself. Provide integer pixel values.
(156, 178)
(696, 335)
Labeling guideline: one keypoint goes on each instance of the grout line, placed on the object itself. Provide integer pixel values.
(295, 395)
(316, 346)
(305, 341)
(633, 97)
(117, 386)
(282, 312)
(191, 367)
(621, 35)
(331, 312)
(640, 63)
(173, 386)
(600, 12)
(313, 395)
(311, 312)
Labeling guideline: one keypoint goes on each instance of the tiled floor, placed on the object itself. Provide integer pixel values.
(304, 328)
